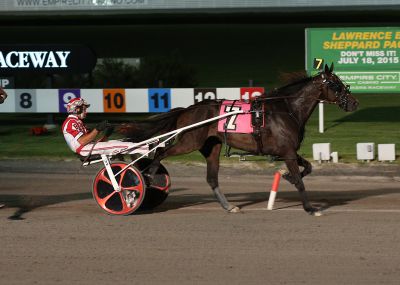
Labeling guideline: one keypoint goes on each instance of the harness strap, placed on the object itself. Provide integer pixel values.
(257, 120)
(257, 137)
(227, 147)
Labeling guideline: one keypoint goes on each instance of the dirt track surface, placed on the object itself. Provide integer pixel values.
(52, 231)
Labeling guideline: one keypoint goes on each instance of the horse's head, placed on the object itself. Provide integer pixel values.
(334, 91)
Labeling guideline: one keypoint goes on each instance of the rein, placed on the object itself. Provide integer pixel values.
(91, 150)
(275, 98)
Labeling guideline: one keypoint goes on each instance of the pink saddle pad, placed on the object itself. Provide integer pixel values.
(239, 123)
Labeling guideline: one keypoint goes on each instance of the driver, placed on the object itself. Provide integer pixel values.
(82, 141)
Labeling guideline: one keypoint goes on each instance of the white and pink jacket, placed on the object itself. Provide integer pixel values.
(73, 128)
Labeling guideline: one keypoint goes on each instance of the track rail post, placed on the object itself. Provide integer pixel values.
(274, 189)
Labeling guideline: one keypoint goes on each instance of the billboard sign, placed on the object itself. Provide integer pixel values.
(7, 82)
(368, 59)
(46, 58)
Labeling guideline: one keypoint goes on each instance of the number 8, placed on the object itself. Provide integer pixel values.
(26, 100)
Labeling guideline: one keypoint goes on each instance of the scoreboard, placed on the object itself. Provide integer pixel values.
(119, 100)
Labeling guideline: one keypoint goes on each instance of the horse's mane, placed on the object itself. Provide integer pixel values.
(293, 81)
(291, 77)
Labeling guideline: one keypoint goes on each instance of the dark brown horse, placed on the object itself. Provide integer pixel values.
(287, 110)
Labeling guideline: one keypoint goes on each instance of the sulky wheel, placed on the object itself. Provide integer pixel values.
(157, 186)
(132, 193)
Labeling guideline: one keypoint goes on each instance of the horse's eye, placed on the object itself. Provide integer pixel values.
(336, 87)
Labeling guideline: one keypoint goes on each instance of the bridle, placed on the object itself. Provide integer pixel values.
(341, 98)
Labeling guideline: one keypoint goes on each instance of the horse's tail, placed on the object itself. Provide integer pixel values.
(138, 131)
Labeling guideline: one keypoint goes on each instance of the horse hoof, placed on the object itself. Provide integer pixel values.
(316, 213)
(234, 210)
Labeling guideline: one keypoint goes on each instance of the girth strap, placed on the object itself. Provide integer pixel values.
(257, 120)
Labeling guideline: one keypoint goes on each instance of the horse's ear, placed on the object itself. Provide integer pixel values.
(331, 68)
(326, 69)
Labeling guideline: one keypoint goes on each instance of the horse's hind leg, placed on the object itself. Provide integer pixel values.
(296, 179)
(211, 151)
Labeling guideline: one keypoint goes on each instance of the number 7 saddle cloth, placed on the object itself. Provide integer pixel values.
(241, 123)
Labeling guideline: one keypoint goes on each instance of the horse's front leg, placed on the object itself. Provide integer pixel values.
(296, 179)
(211, 152)
(307, 169)
(301, 161)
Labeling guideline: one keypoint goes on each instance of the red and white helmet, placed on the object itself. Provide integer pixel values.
(74, 104)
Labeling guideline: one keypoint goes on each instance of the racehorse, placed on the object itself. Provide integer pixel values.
(286, 110)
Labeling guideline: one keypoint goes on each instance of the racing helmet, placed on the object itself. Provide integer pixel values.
(74, 106)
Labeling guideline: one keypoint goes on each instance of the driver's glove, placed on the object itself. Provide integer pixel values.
(109, 130)
(102, 126)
